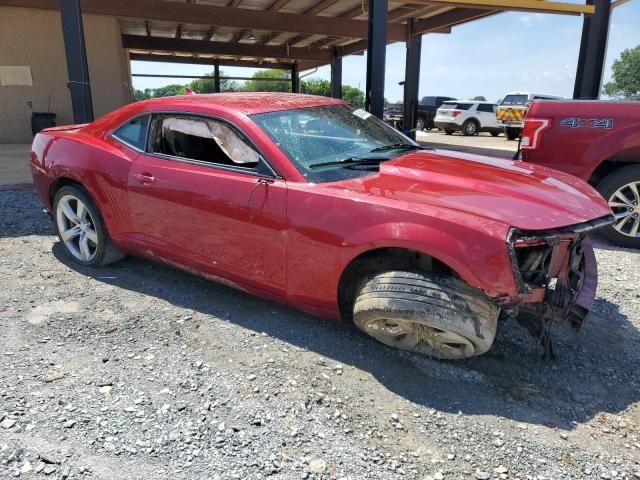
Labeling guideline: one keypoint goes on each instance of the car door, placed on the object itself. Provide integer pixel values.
(485, 115)
(203, 197)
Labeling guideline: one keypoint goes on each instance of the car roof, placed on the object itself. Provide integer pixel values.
(248, 103)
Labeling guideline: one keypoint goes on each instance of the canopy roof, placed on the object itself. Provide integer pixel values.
(279, 33)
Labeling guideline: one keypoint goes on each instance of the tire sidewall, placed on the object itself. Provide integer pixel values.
(98, 223)
(466, 125)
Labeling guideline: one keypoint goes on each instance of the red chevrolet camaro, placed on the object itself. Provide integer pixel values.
(309, 201)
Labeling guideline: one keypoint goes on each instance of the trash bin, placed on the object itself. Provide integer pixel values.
(42, 120)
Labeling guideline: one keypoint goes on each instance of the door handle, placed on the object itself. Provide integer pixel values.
(144, 177)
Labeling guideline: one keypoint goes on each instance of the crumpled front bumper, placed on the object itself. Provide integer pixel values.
(557, 275)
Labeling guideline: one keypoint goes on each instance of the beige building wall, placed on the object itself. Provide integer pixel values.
(32, 37)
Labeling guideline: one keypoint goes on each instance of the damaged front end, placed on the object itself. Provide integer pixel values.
(557, 277)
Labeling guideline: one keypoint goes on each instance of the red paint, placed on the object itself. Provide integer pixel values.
(291, 240)
(581, 150)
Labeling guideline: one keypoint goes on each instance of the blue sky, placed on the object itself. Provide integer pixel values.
(506, 52)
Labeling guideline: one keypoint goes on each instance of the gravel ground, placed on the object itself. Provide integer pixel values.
(140, 371)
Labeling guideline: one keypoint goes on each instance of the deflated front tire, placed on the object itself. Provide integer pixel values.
(441, 317)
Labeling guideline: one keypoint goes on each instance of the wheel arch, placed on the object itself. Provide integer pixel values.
(380, 259)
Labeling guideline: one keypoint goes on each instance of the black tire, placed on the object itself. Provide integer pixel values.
(470, 127)
(494, 133)
(420, 124)
(105, 252)
(448, 131)
(512, 133)
(607, 188)
(424, 313)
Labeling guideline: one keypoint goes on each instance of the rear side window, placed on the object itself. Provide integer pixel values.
(486, 107)
(456, 106)
(134, 132)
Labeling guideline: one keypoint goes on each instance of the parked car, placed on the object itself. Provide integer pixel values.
(513, 108)
(427, 109)
(393, 115)
(470, 118)
(598, 142)
(311, 202)
(426, 113)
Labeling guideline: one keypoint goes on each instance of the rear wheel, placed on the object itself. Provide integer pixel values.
(420, 124)
(81, 228)
(448, 131)
(621, 189)
(470, 127)
(495, 133)
(424, 313)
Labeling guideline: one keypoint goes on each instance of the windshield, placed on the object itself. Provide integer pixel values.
(333, 142)
(515, 100)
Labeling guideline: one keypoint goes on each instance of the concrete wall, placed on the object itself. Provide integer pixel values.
(32, 37)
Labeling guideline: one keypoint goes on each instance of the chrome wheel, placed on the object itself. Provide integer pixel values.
(418, 337)
(76, 228)
(470, 128)
(420, 124)
(625, 203)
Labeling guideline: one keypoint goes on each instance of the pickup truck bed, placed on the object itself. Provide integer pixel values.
(597, 141)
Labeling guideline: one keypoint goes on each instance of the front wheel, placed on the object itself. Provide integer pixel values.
(424, 313)
(621, 189)
(81, 228)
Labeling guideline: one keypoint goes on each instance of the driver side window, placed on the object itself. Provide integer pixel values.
(203, 140)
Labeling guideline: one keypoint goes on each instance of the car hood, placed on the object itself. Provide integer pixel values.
(522, 195)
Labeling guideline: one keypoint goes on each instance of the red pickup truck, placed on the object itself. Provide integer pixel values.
(598, 142)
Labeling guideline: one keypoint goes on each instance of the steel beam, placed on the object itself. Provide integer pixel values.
(144, 57)
(535, 6)
(448, 19)
(411, 83)
(76, 53)
(295, 78)
(593, 47)
(376, 56)
(216, 79)
(139, 42)
(336, 75)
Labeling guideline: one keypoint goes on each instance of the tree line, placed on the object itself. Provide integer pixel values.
(313, 86)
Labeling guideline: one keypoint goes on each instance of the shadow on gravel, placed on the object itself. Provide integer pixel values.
(597, 370)
(21, 213)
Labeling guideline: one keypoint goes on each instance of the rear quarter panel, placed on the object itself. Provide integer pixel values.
(101, 166)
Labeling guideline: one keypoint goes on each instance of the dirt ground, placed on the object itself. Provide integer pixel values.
(140, 371)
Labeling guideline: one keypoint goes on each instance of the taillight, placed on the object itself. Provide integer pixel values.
(455, 113)
(532, 132)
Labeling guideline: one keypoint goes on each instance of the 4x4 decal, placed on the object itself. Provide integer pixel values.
(590, 123)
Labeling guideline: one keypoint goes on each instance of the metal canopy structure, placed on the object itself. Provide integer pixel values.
(302, 34)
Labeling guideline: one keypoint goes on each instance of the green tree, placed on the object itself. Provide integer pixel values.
(207, 85)
(316, 86)
(257, 85)
(353, 95)
(145, 94)
(168, 90)
(626, 76)
(479, 98)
